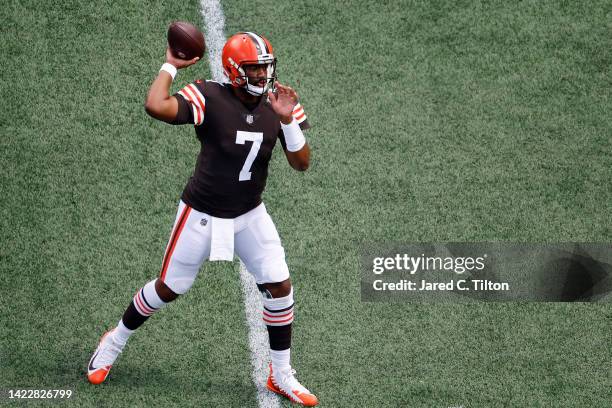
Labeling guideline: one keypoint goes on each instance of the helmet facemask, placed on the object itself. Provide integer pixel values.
(243, 79)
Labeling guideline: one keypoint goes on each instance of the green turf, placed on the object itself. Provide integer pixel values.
(433, 121)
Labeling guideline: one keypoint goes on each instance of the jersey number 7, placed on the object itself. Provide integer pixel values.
(241, 138)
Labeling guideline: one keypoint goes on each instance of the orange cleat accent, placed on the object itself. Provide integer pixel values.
(98, 376)
(290, 388)
(106, 352)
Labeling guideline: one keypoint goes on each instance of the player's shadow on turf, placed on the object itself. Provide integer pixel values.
(567, 275)
(186, 386)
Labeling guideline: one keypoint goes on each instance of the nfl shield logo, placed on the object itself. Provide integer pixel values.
(249, 119)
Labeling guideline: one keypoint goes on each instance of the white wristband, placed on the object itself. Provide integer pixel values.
(169, 68)
(294, 138)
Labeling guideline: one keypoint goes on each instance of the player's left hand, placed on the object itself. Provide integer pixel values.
(283, 101)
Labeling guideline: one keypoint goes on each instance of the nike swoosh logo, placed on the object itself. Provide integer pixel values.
(91, 368)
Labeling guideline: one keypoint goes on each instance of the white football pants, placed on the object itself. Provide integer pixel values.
(256, 243)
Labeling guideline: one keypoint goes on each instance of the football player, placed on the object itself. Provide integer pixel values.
(221, 212)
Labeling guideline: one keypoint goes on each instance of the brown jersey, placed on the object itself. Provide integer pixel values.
(236, 147)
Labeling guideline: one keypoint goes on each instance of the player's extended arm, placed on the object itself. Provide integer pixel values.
(159, 103)
(298, 151)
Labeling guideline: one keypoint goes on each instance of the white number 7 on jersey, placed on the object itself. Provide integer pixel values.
(256, 138)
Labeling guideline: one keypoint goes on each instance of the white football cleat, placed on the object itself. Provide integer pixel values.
(103, 358)
(285, 384)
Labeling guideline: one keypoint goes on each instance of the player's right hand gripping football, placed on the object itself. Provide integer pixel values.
(177, 62)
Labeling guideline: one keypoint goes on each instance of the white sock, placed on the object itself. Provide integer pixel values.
(121, 334)
(281, 360)
(147, 301)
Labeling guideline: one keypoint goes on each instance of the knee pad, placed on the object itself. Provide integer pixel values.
(269, 270)
(180, 276)
(180, 286)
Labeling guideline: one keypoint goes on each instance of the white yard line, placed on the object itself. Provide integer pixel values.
(258, 339)
(214, 20)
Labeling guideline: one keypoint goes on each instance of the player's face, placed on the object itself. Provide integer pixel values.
(256, 74)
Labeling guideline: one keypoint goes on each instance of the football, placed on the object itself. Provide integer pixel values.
(185, 40)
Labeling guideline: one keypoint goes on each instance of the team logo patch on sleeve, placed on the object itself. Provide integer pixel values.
(192, 94)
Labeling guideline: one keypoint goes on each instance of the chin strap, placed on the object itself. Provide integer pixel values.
(255, 90)
(259, 90)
